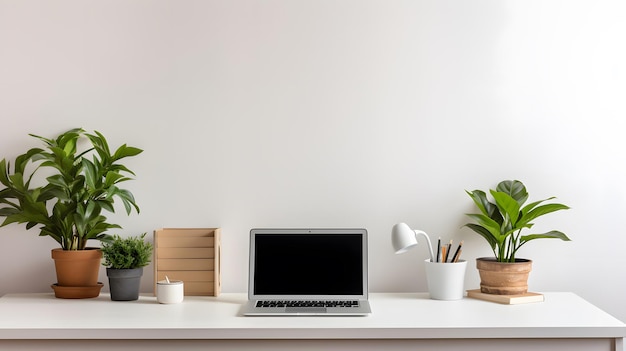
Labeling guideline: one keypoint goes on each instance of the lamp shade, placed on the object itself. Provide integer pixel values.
(403, 238)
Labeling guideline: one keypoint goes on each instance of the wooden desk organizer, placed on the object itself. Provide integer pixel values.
(191, 255)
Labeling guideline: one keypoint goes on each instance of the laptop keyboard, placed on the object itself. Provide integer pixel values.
(307, 303)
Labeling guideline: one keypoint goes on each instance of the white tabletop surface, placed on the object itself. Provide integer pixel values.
(395, 315)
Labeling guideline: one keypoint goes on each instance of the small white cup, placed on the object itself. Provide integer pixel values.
(170, 292)
(445, 280)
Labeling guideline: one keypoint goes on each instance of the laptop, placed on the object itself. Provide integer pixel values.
(304, 272)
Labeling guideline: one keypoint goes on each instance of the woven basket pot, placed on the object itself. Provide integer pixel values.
(503, 278)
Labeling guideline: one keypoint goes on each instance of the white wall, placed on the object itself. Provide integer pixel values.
(335, 113)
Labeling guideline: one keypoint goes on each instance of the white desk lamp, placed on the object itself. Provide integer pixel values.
(404, 238)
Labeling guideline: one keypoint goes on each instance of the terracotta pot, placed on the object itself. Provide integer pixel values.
(502, 278)
(76, 292)
(77, 268)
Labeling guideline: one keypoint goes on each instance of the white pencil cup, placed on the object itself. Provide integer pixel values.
(445, 280)
(170, 292)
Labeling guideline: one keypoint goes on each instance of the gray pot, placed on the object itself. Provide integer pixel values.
(124, 283)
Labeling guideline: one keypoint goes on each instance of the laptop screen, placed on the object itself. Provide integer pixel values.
(308, 263)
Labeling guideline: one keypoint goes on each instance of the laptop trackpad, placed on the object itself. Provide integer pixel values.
(305, 309)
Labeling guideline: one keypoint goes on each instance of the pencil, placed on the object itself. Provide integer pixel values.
(444, 253)
(457, 253)
(438, 249)
(457, 256)
(448, 249)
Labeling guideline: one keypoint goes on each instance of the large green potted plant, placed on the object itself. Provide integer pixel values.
(125, 259)
(62, 190)
(501, 223)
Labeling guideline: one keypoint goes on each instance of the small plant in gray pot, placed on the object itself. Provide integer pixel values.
(125, 259)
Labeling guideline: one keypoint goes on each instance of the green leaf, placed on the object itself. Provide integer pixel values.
(126, 151)
(488, 224)
(112, 178)
(101, 146)
(480, 199)
(540, 211)
(8, 211)
(22, 161)
(515, 189)
(507, 205)
(128, 200)
(4, 173)
(532, 205)
(58, 181)
(106, 204)
(484, 233)
(17, 182)
(553, 234)
(91, 173)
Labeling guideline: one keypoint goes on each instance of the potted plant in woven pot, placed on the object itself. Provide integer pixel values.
(62, 190)
(501, 223)
(125, 259)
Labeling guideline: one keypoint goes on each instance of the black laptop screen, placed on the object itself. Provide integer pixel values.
(308, 264)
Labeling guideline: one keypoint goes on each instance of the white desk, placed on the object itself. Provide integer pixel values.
(399, 322)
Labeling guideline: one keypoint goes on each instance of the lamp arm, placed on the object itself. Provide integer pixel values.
(430, 246)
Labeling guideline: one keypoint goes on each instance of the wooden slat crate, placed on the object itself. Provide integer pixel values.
(191, 255)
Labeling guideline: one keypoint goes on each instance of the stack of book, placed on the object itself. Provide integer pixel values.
(506, 299)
